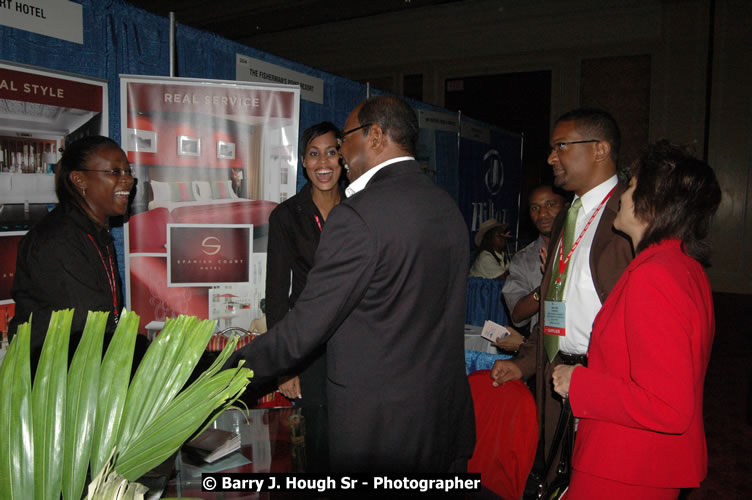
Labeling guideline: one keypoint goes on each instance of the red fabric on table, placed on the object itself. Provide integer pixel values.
(506, 426)
(218, 342)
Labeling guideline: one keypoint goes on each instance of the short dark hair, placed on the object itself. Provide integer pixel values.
(75, 157)
(315, 131)
(395, 117)
(598, 124)
(555, 190)
(676, 195)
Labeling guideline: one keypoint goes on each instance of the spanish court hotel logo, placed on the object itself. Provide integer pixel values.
(208, 255)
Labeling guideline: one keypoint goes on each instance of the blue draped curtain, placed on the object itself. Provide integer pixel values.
(483, 301)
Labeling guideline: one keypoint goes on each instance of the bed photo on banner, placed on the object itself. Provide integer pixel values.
(212, 159)
(40, 112)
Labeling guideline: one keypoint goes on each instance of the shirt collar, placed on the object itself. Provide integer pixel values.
(594, 197)
(360, 183)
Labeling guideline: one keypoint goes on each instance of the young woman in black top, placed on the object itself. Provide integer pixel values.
(294, 230)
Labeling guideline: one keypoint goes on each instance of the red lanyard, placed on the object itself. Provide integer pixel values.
(318, 222)
(563, 263)
(110, 272)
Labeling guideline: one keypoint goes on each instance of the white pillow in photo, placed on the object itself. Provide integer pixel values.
(161, 190)
(202, 190)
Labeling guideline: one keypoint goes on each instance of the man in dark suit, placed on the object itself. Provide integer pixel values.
(584, 152)
(387, 296)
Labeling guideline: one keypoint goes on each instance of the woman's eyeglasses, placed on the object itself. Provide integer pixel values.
(117, 172)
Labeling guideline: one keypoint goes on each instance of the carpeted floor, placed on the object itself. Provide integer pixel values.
(728, 403)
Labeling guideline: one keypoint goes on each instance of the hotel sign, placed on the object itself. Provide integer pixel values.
(208, 254)
(248, 69)
(55, 18)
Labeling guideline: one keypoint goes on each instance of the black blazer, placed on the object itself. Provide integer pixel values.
(387, 296)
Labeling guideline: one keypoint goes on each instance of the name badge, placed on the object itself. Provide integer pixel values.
(555, 319)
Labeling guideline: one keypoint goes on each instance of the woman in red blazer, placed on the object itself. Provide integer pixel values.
(639, 400)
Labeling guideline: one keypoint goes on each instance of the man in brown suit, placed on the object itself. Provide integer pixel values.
(584, 151)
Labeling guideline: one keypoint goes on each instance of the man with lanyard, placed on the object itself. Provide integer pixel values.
(586, 258)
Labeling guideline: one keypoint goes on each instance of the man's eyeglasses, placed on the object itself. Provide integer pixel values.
(562, 146)
(340, 140)
(117, 172)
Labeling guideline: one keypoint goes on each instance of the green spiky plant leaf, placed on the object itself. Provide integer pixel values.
(16, 438)
(48, 407)
(52, 430)
(81, 405)
(113, 388)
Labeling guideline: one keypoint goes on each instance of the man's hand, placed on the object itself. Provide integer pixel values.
(290, 388)
(503, 371)
(511, 342)
(562, 376)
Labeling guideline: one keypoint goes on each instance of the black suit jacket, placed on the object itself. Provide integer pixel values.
(387, 296)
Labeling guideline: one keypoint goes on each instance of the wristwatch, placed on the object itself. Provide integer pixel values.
(536, 294)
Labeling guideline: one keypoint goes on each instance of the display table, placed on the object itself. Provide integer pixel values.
(272, 440)
(474, 342)
(480, 354)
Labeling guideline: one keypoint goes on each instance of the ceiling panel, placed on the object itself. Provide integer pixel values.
(236, 20)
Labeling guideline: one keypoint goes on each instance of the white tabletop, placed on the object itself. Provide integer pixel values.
(474, 342)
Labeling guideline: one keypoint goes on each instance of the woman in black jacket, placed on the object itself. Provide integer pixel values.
(68, 260)
(294, 230)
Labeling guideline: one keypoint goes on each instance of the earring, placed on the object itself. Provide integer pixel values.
(83, 192)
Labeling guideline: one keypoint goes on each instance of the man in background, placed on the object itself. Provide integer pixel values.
(581, 271)
(522, 287)
(387, 296)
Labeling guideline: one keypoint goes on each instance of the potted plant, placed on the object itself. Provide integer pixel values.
(92, 417)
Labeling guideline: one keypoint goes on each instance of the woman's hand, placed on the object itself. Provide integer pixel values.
(290, 388)
(511, 342)
(562, 376)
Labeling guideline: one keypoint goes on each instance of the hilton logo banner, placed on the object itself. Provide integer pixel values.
(490, 175)
(198, 255)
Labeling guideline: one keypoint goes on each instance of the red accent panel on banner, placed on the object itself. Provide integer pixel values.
(167, 133)
(28, 87)
(148, 230)
(9, 251)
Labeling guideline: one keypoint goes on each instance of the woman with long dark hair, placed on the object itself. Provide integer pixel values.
(294, 230)
(639, 400)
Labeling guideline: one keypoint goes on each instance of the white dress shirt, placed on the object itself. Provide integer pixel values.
(580, 296)
(359, 183)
